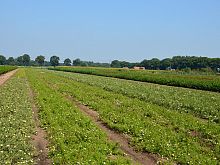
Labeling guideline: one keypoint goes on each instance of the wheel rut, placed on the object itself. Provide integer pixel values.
(39, 138)
(121, 139)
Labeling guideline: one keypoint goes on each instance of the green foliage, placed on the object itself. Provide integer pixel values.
(2, 60)
(73, 136)
(40, 60)
(116, 64)
(23, 60)
(11, 61)
(54, 61)
(77, 62)
(16, 123)
(26, 59)
(5, 69)
(203, 82)
(179, 136)
(67, 62)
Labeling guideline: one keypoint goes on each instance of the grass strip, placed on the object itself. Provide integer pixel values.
(6, 68)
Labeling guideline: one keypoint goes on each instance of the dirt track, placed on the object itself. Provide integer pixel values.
(6, 76)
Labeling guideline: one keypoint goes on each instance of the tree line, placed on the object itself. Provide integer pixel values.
(176, 62)
(25, 60)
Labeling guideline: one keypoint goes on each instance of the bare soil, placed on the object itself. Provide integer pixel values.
(121, 139)
(39, 139)
(6, 76)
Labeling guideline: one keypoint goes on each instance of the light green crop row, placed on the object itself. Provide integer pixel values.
(203, 82)
(203, 104)
(74, 138)
(179, 136)
(16, 123)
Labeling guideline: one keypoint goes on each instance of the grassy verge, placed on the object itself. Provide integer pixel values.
(16, 123)
(203, 82)
(5, 69)
(178, 136)
(73, 136)
(203, 104)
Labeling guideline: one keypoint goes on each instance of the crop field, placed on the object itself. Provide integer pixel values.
(203, 82)
(16, 125)
(5, 69)
(175, 124)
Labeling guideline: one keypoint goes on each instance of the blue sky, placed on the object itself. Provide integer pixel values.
(104, 30)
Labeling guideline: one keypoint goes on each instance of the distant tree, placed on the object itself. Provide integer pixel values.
(84, 63)
(2, 60)
(26, 59)
(54, 60)
(67, 62)
(47, 63)
(77, 62)
(19, 60)
(116, 64)
(165, 63)
(40, 60)
(155, 63)
(11, 61)
(33, 63)
(146, 63)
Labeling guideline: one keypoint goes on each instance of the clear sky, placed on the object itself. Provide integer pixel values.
(104, 30)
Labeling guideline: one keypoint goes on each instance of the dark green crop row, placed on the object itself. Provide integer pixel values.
(180, 137)
(6, 68)
(74, 138)
(203, 82)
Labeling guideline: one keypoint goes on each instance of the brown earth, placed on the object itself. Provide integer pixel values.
(39, 139)
(121, 139)
(6, 76)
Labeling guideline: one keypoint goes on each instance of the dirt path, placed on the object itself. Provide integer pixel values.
(39, 139)
(122, 140)
(6, 76)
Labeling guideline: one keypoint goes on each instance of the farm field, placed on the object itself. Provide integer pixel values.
(203, 82)
(5, 69)
(180, 137)
(176, 125)
(74, 138)
(200, 103)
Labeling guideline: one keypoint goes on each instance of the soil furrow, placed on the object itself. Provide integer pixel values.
(121, 139)
(39, 139)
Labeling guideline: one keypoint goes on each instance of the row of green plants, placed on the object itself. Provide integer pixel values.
(181, 137)
(16, 123)
(203, 82)
(6, 68)
(74, 138)
(203, 104)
